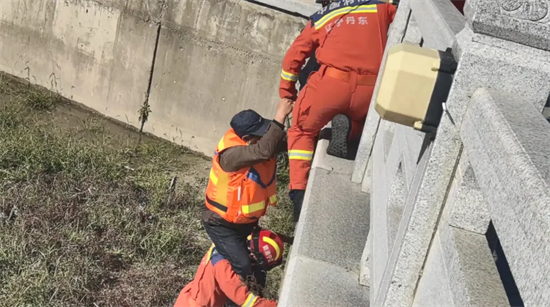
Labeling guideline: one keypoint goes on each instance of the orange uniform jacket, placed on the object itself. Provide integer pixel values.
(214, 283)
(348, 34)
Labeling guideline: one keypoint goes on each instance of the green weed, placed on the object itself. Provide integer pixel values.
(40, 100)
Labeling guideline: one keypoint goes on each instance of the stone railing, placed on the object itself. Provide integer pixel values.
(458, 218)
(441, 209)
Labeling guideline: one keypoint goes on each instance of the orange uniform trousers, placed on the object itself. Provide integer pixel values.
(185, 299)
(325, 95)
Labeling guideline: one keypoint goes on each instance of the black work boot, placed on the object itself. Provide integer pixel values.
(297, 197)
(340, 145)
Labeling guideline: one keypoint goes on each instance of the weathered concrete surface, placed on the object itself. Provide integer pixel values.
(320, 284)
(97, 55)
(502, 66)
(379, 196)
(348, 207)
(525, 22)
(459, 271)
(470, 266)
(419, 221)
(494, 63)
(507, 141)
(147, 10)
(366, 263)
(450, 21)
(433, 289)
(214, 59)
(467, 207)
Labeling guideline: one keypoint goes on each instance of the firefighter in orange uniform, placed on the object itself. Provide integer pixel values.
(215, 282)
(348, 38)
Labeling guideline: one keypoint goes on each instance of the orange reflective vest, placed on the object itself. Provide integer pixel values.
(241, 197)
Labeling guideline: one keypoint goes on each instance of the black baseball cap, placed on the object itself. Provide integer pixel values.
(249, 122)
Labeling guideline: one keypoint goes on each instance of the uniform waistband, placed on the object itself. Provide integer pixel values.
(212, 217)
(347, 76)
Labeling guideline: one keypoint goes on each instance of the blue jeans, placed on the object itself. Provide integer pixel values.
(231, 243)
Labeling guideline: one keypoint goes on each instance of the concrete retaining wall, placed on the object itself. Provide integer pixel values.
(214, 59)
(196, 62)
(95, 54)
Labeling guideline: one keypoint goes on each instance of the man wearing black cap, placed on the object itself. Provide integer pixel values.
(242, 182)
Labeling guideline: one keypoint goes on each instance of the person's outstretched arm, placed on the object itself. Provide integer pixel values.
(301, 49)
(235, 158)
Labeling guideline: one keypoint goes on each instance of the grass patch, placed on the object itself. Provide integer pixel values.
(88, 219)
(85, 218)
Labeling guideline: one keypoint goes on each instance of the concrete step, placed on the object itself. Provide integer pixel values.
(321, 284)
(324, 262)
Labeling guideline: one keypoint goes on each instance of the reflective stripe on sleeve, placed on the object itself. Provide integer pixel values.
(289, 76)
(300, 155)
(250, 300)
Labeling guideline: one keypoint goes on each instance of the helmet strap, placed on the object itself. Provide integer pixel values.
(260, 259)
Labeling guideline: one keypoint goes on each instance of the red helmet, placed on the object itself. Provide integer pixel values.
(267, 247)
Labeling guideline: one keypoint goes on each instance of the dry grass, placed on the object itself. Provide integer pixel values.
(87, 219)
